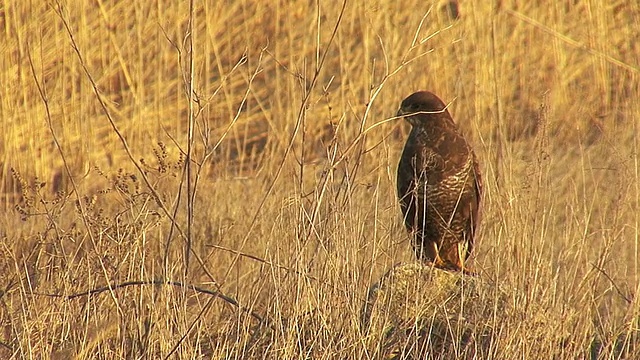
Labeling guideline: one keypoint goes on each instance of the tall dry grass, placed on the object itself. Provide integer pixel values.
(290, 211)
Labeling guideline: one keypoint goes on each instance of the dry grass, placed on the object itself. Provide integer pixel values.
(289, 213)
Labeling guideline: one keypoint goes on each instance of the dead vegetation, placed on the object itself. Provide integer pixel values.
(219, 181)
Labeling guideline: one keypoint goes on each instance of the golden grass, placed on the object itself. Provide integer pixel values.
(294, 151)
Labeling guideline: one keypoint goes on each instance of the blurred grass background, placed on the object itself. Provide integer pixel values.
(295, 212)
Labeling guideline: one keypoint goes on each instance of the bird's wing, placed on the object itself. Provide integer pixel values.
(477, 187)
(474, 208)
(430, 168)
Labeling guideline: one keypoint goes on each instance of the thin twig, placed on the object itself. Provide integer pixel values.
(205, 309)
(115, 286)
(83, 213)
(570, 41)
(296, 130)
(123, 140)
(264, 261)
(623, 295)
(188, 165)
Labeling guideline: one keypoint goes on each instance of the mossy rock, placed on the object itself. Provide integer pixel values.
(417, 312)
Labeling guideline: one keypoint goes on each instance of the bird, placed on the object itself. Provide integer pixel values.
(439, 184)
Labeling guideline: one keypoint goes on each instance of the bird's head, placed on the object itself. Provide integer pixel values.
(422, 107)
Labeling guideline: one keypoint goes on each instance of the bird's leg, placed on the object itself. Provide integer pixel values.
(452, 258)
(462, 251)
(430, 254)
(449, 257)
(469, 272)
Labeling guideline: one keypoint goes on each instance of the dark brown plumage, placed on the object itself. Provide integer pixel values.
(439, 184)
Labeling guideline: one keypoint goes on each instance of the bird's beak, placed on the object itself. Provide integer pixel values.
(407, 115)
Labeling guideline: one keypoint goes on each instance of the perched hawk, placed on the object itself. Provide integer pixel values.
(439, 184)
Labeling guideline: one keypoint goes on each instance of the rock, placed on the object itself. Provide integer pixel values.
(417, 312)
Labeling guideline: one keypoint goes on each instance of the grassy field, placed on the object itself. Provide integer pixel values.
(219, 181)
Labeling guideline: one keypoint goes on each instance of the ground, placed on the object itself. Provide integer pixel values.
(266, 244)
